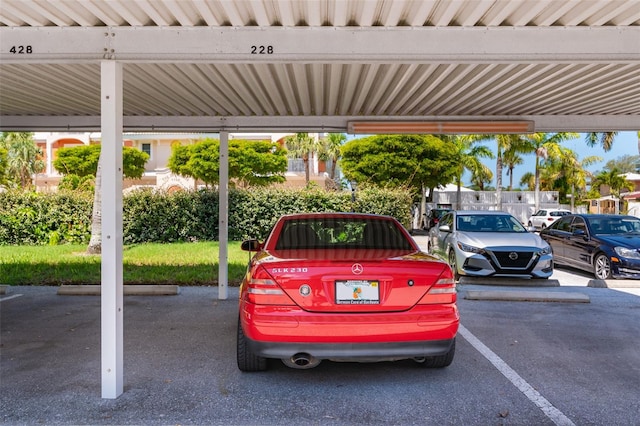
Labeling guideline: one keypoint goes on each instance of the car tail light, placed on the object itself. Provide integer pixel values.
(550, 219)
(262, 289)
(443, 291)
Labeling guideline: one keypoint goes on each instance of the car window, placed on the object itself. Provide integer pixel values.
(578, 224)
(447, 220)
(331, 233)
(563, 224)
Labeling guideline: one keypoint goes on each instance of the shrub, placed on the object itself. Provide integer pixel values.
(34, 218)
(154, 216)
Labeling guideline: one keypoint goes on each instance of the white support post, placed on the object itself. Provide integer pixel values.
(223, 221)
(111, 210)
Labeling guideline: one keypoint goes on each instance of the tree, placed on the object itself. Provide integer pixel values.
(330, 150)
(511, 159)
(469, 153)
(24, 157)
(604, 139)
(84, 161)
(625, 164)
(417, 161)
(612, 179)
(4, 155)
(566, 174)
(544, 145)
(257, 163)
(505, 143)
(528, 180)
(204, 161)
(301, 145)
(251, 163)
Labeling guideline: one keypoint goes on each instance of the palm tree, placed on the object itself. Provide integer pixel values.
(604, 139)
(470, 154)
(480, 177)
(301, 145)
(24, 157)
(545, 145)
(330, 150)
(614, 180)
(528, 180)
(512, 159)
(566, 173)
(505, 143)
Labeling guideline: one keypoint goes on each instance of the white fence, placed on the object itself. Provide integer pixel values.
(521, 204)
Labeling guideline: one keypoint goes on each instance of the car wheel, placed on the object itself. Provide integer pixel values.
(439, 361)
(247, 360)
(530, 224)
(602, 267)
(543, 226)
(454, 266)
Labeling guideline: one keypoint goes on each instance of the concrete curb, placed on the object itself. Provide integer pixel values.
(614, 283)
(526, 296)
(129, 290)
(509, 282)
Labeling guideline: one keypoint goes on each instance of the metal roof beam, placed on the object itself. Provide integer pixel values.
(326, 44)
(543, 123)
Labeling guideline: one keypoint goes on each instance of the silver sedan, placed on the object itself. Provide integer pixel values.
(490, 243)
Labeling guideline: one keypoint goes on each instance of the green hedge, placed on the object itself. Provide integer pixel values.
(152, 216)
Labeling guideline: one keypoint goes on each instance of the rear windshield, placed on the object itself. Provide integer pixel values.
(328, 233)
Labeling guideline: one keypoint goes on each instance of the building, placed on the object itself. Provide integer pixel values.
(158, 147)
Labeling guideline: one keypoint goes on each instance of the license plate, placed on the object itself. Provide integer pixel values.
(357, 292)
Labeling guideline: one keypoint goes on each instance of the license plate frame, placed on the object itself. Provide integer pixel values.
(357, 292)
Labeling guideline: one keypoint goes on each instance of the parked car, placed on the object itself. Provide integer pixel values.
(545, 217)
(344, 286)
(433, 216)
(490, 243)
(607, 245)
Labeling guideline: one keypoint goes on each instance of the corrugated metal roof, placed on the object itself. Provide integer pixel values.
(320, 87)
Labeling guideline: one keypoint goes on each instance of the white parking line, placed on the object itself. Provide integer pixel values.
(10, 297)
(534, 396)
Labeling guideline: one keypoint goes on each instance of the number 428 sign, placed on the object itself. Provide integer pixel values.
(21, 50)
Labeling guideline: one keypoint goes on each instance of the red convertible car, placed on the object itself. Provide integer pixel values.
(344, 287)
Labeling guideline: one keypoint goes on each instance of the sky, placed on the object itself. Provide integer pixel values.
(625, 143)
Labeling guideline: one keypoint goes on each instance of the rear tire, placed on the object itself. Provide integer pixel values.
(247, 360)
(602, 267)
(440, 361)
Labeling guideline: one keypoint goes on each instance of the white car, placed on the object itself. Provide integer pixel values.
(490, 243)
(545, 217)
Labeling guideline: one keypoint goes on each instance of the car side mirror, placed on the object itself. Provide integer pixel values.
(444, 228)
(251, 245)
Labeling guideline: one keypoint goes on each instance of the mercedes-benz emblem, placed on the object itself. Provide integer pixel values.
(513, 255)
(357, 268)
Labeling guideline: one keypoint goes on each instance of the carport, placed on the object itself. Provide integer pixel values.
(369, 66)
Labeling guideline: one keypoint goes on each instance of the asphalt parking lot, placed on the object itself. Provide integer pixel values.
(517, 363)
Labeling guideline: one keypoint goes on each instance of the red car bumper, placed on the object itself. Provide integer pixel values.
(283, 331)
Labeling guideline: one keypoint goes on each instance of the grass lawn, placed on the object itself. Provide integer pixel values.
(180, 263)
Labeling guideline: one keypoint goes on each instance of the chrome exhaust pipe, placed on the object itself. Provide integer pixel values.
(301, 361)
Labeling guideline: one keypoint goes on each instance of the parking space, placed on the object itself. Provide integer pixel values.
(547, 363)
